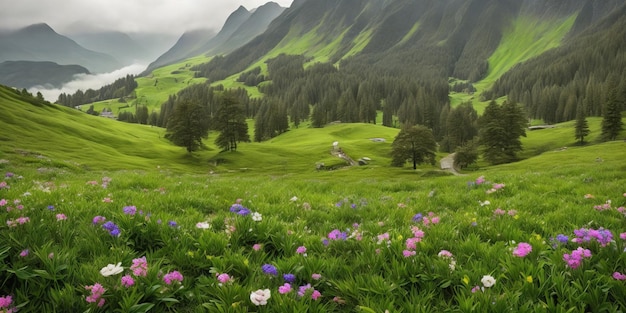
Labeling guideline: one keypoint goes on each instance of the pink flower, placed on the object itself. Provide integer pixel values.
(498, 211)
(408, 253)
(61, 217)
(301, 250)
(522, 250)
(24, 253)
(140, 267)
(619, 276)
(315, 295)
(5, 302)
(623, 236)
(475, 289)
(172, 277)
(22, 220)
(96, 293)
(316, 276)
(3, 202)
(257, 247)
(223, 278)
(127, 281)
(445, 254)
(286, 288)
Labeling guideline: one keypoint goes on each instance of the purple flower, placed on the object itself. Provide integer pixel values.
(239, 209)
(562, 238)
(98, 219)
(113, 229)
(51, 207)
(290, 278)
(286, 288)
(269, 269)
(127, 281)
(130, 210)
(417, 217)
(172, 224)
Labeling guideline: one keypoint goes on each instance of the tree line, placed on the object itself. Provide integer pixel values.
(119, 89)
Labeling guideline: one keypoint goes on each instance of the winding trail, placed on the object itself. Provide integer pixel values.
(447, 164)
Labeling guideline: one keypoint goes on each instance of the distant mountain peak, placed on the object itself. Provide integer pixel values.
(39, 27)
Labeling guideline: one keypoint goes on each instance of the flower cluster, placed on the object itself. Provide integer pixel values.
(306, 289)
(269, 269)
(522, 250)
(140, 267)
(445, 254)
(6, 304)
(96, 294)
(603, 236)
(336, 234)
(574, 259)
(112, 228)
(411, 243)
(495, 187)
(18, 221)
(223, 278)
(172, 277)
(260, 296)
(130, 210)
(239, 209)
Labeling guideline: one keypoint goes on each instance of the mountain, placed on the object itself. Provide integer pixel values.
(448, 38)
(39, 42)
(27, 74)
(117, 44)
(240, 27)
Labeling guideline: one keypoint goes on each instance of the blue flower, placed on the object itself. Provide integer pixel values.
(290, 278)
(269, 269)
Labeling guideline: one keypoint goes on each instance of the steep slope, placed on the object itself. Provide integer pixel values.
(240, 27)
(39, 42)
(189, 41)
(27, 74)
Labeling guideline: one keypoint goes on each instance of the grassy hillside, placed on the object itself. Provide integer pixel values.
(526, 38)
(154, 89)
(51, 135)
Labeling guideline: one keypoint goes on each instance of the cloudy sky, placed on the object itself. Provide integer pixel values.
(130, 16)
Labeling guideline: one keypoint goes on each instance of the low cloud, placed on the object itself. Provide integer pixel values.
(87, 81)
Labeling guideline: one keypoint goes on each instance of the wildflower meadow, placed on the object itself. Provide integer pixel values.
(506, 239)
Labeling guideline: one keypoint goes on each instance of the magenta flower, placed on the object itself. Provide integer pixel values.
(98, 219)
(223, 278)
(24, 253)
(301, 250)
(61, 217)
(257, 247)
(619, 276)
(522, 250)
(408, 253)
(127, 281)
(140, 267)
(315, 295)
(286, 288)
(5, 302)
(316, 276)
(130, 210)
(96, 294)
(172, 277)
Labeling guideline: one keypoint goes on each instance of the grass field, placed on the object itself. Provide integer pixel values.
(104, 216)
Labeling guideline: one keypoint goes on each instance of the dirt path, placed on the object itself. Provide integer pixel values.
(447, 164)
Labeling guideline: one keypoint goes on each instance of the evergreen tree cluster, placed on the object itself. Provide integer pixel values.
(501, 127)
(120, 88)
(554, 85)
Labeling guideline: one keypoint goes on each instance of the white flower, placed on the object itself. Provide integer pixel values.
(293, 199)
(260, 296)
(256, 216)
(112, 269)
(488, 281)
(487, 202)
(203, 225)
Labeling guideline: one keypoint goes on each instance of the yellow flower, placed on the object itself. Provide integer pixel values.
(400, 237)
(191, 254)
(466, 280)
(246, 262)
(529, 279)
(516, 216)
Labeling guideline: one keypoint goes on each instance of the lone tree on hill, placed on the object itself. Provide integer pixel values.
(612, 118)
(500, 129)
(581, 130)
(414, 143)
(230, 121)
(187, 125)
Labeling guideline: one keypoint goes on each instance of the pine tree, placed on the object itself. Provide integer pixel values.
(500, 129)
(581, 129)
(187, 125)
(416, 144)
(231, 123)
(612, 117)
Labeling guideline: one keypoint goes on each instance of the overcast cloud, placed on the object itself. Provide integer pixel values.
(129, 16)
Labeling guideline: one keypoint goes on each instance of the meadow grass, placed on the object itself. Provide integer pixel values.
(80, 193)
